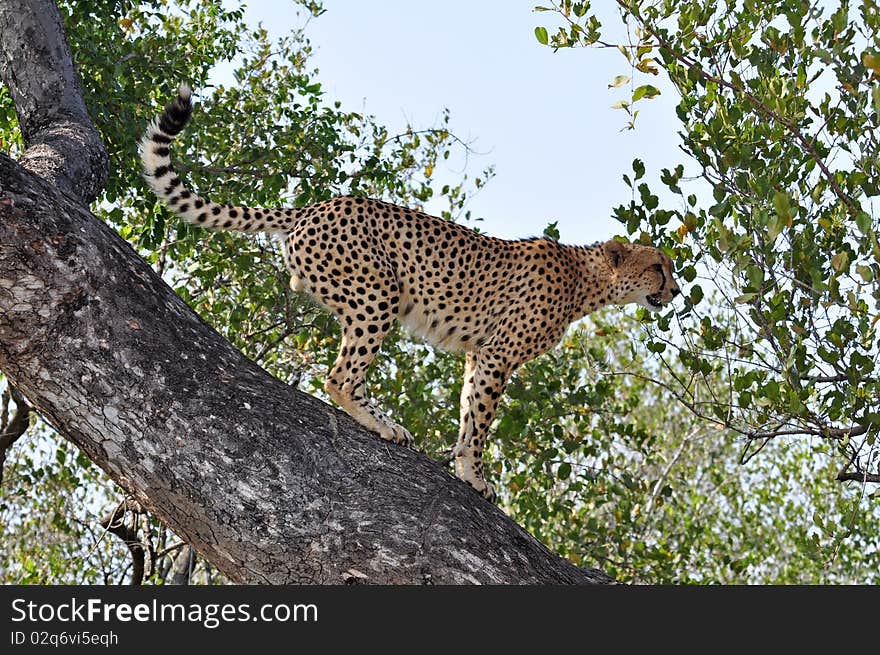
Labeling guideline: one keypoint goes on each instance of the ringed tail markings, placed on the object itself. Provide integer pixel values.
(168, 187)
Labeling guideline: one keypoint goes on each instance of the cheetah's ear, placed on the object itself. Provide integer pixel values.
(615, 251)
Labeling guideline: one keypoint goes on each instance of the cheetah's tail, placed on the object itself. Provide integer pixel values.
(159, 173)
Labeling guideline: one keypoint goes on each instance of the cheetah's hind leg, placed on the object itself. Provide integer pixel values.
(345, 384)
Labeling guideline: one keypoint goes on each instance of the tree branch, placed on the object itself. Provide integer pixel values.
(828, 432)
(184, 561)
(114, 523)
(63, 145)
(858, 476)
(17, 425)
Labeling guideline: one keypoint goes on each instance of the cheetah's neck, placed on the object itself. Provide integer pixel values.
(598, 281)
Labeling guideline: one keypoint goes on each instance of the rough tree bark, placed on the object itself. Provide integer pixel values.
(35, 65)
(269, 484)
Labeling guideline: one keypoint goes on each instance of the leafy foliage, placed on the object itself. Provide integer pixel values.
(599, 461)
(777, 341)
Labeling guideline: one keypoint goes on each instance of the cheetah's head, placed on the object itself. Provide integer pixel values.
(643, 274)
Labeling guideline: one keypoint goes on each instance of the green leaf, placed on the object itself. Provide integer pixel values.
(564, 471)
(840, 261)
(871, 61)
(638, 167)
(782, 205)
(541, 35)
(618, 81)
(774, 227)
(645, 91)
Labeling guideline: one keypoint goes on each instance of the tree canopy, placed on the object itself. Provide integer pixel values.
(776, 228)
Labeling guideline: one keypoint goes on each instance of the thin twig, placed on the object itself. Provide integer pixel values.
(664, 474)
(858, 476)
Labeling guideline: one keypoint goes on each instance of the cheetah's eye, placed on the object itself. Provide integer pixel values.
(657, 268)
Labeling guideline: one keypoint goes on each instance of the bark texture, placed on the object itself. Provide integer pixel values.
(269, 484)
(35, 65)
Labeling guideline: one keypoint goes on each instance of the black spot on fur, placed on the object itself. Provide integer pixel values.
(172, 184)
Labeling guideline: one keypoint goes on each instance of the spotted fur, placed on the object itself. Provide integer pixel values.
(369, 262)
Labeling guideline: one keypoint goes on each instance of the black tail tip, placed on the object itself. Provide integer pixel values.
(177, 112)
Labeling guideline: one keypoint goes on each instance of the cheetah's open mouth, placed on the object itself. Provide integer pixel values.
(654, 301)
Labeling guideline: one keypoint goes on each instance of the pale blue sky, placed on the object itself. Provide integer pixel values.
(543, 119)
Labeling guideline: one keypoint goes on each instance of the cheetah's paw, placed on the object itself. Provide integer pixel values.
(485, 489)
(397, 434)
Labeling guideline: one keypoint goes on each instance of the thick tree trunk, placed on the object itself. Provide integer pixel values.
(36, 67)
(269, 484)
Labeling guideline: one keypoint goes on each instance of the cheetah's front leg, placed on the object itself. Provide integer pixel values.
(485, 376)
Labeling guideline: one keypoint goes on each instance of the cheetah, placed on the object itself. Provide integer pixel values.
(369, 262)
